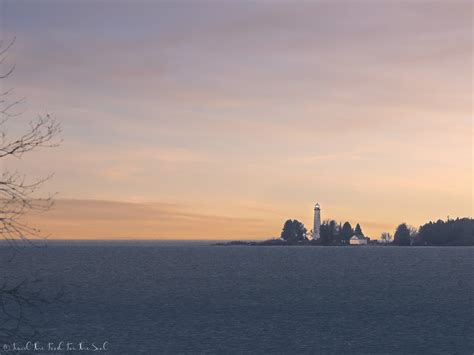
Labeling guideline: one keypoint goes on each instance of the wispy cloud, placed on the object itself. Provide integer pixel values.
(96, 219)
(278, 104)
(340, 157)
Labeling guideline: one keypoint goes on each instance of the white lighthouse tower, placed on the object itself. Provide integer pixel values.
(317, 222)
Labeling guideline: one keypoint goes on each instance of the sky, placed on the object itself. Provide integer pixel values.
(222, 119)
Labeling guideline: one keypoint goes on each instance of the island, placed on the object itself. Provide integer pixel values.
(449, 232)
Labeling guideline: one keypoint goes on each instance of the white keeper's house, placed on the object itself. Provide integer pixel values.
(358, 240)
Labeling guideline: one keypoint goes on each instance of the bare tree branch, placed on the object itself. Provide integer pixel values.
(40, 134)
(17, 198)
(17, 195)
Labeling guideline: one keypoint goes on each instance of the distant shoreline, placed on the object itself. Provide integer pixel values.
(311, 243)
(283, 243)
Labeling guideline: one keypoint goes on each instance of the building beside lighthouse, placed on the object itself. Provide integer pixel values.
(317, 222)
(358, 240)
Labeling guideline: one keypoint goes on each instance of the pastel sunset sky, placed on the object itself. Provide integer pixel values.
(221, 119)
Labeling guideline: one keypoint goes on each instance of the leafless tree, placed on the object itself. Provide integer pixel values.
(18, 196)
(386, 237)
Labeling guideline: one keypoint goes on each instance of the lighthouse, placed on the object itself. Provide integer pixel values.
(317, 222)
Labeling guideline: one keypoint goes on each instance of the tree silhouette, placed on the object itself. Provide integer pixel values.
(16, 193)
(329, 232)
(386, 237)
(288, 232)
(17, 198)
(358, 230)
(293, 231)
(347, 232)
(402, 235)
(452, 232)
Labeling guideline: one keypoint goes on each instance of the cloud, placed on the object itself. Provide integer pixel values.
(96, 219)
(222, 103)
(340, 156)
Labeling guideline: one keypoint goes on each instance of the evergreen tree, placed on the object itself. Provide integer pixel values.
(338, 233)
(452, 232)
(358, 230)
(329, 232)
(334, 231)
(347, 232)
(402, 235)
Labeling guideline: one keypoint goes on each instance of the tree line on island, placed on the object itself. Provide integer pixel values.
(452, 232)
(459, 231)
(331, 233)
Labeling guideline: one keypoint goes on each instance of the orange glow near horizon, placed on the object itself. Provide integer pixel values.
(224, 124)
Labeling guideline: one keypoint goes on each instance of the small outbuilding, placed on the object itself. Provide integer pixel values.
(358, 240)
